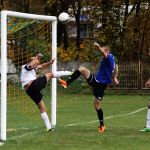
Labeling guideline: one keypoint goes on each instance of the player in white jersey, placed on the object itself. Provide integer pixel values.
(33, 85)
(147, 127)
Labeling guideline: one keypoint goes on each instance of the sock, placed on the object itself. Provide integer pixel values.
(148, 119)
(46, 120)
(74, 76)
(58, 74)
(100, 116)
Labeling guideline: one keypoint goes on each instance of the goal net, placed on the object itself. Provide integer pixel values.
(23, 36)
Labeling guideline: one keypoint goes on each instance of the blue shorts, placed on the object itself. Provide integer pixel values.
(34, 90)
(98, 88)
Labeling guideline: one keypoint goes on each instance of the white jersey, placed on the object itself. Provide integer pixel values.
(27, 75)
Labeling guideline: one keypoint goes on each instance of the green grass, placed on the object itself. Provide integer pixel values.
(122, 128)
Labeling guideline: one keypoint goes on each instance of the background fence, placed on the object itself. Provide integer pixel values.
(133, 75)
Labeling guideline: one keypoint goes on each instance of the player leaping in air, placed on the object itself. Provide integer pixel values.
(107, 69)
(33, 85)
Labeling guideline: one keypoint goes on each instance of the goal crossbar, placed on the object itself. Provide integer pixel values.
(4, 15)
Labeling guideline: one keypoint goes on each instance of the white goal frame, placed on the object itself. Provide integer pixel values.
(4, 15)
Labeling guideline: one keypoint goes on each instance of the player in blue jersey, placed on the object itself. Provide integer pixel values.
(107, 69)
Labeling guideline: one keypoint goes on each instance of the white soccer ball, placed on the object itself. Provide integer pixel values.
(63, 17)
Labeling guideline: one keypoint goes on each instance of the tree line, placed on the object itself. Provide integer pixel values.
(124, 25)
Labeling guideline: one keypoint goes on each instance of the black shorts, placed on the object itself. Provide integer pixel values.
(34, 90)
(98, 88)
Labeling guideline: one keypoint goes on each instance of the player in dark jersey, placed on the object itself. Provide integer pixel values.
(99, 81)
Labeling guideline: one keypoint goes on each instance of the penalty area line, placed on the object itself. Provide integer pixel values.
(109, 117)
(25, 134)
(2, 143)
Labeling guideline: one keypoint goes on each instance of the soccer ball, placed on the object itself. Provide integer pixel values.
(63, 17)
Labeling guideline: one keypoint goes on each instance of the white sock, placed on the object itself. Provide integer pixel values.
(46, 120)
(58, 74)
(148, 119)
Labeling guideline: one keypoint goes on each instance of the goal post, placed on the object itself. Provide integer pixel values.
(4, 19)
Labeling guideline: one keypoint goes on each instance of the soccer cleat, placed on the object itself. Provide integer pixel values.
(51, 130)
(101, 129)
(63, 83)
(145, 130)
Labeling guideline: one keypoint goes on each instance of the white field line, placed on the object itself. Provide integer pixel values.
(1, 143)
(109, 117)
(13, 129)
(25, 134)
(75, 124)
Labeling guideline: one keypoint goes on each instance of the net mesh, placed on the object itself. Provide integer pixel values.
(25, 38)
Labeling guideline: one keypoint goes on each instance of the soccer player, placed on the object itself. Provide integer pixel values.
(147, 128)
(34, 85)
(99, 81)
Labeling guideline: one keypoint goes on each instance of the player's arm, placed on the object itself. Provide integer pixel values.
(116, 71)
(115, 75)
(101, 49)
(45, 65)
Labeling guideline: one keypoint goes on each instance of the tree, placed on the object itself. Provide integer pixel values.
(58, 7)
(145, 32)
(26, 5)
(1, 4)
(122, 24)
(76, 5)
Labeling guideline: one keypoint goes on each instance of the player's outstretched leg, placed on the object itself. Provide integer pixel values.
(58, 74)
(73, 77)
(80, 71)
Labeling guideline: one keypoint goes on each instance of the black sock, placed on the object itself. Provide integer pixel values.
(74, 76)
(100, 116)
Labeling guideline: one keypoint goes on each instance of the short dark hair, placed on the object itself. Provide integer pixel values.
(107, 48)
(31, 58)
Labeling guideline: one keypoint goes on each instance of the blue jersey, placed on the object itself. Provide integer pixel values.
(106, 68)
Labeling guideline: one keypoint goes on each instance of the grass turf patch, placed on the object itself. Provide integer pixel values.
(77, 125)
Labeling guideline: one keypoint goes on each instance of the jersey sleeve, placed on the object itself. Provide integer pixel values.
(111, 62)
(27, 67)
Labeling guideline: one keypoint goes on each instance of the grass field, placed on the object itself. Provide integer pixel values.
(77, 126)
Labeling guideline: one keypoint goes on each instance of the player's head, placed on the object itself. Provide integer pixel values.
(34, 61)
(106, 49)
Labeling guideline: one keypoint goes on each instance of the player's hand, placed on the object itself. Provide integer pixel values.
(96, 45)
(52, 61)
(115, 81)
